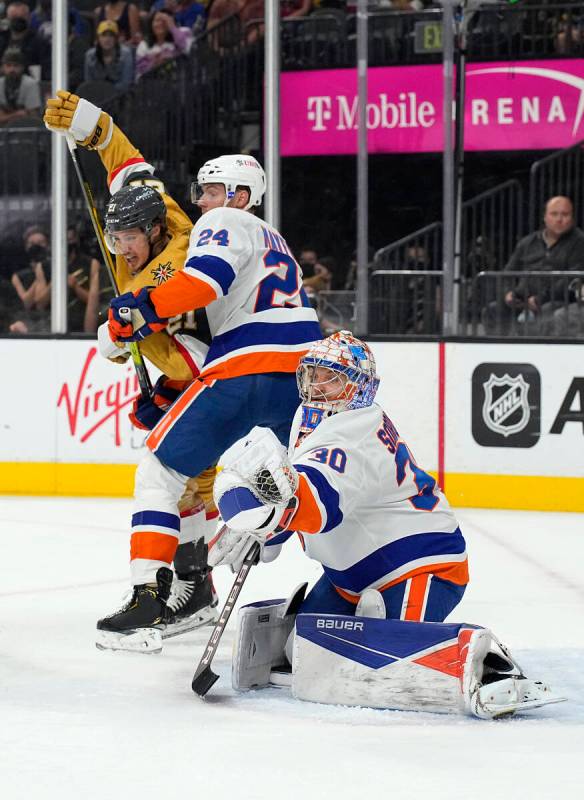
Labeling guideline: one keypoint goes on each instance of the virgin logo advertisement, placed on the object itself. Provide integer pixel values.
(524, 105)
(92, 404)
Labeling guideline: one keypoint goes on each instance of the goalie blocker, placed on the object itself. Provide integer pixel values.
(381, 663)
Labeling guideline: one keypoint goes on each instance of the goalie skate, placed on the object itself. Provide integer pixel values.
(505, 697)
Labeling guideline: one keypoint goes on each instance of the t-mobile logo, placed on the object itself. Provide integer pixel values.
(319, 111)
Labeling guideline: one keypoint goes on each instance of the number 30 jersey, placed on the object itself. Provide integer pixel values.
(242, 271)
(367, 512)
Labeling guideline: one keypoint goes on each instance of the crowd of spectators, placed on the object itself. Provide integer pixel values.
(25, 282)
(115, 43)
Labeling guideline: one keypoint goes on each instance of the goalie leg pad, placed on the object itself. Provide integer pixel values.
(409, 666)
(381, 663)
(262, 631)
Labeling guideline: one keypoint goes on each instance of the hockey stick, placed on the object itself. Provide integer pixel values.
(204, 676)
(139, 365)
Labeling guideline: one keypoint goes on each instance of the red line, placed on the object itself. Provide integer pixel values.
(441, 411)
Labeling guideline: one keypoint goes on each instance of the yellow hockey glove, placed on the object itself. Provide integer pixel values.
(89, 125)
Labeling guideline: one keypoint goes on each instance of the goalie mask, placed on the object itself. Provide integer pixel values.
(232, 172)
(337, 374)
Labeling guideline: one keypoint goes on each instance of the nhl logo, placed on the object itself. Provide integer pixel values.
(506, 405)
(505, 408)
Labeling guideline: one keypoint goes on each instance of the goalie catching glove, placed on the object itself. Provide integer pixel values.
(143, 318)
(255, 494)
(71, 115)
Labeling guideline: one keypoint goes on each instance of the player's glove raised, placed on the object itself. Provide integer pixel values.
(145, 414)
(132, 317)
(89, 125)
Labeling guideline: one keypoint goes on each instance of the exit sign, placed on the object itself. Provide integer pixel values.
(427, 37)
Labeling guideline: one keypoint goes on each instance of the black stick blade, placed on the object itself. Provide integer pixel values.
(203, 681)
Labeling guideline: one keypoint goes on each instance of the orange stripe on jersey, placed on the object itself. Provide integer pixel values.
(455, 571)
(180, 294)
(158, 433)
(254, 364)
(307, 518)
(416, 598)
(153, 546)
(352, 598)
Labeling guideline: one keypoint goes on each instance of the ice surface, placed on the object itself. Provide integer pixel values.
(79, 723)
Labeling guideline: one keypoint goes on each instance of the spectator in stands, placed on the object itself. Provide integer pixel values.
(18, 36)
(80, 268)
(570, 31)
(32, 285)
(532, 302)
(20, 94)
(351, 274)
(569, 320)
(41, 20)
(77, 44)
(253, 10)
(187, 13)
(77, 47)
(308, 257)
(321, 278)
(164, 41)
(99, 296)
(125, 15)
(109, 60)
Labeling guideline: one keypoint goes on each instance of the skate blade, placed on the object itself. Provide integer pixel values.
(206, 616)
(142, 640)
(526, 705)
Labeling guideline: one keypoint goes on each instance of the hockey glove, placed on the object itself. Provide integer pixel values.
(146, 414)
(255, 491)
(143, 317)
(229, 548)
(114, 351)
(89, 125)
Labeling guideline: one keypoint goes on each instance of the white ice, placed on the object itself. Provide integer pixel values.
(79, 723)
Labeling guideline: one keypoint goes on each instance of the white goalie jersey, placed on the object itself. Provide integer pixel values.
(367, 512)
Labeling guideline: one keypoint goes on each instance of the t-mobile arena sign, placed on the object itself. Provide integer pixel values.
(528, 105)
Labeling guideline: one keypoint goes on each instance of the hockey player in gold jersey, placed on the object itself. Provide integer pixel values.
(149, 234)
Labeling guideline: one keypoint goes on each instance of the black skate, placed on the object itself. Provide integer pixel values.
(193, 600)
(139, 624)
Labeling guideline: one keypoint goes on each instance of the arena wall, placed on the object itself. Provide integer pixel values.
(499, 425)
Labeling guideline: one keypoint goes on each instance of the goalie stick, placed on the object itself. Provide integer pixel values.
(204, 676)
(139, 365)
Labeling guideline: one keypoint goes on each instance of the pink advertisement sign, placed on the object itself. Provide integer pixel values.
(527, 105)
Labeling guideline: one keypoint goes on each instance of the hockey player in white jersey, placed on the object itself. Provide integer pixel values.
(391, 551)
(365, 509)
(241, 271)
